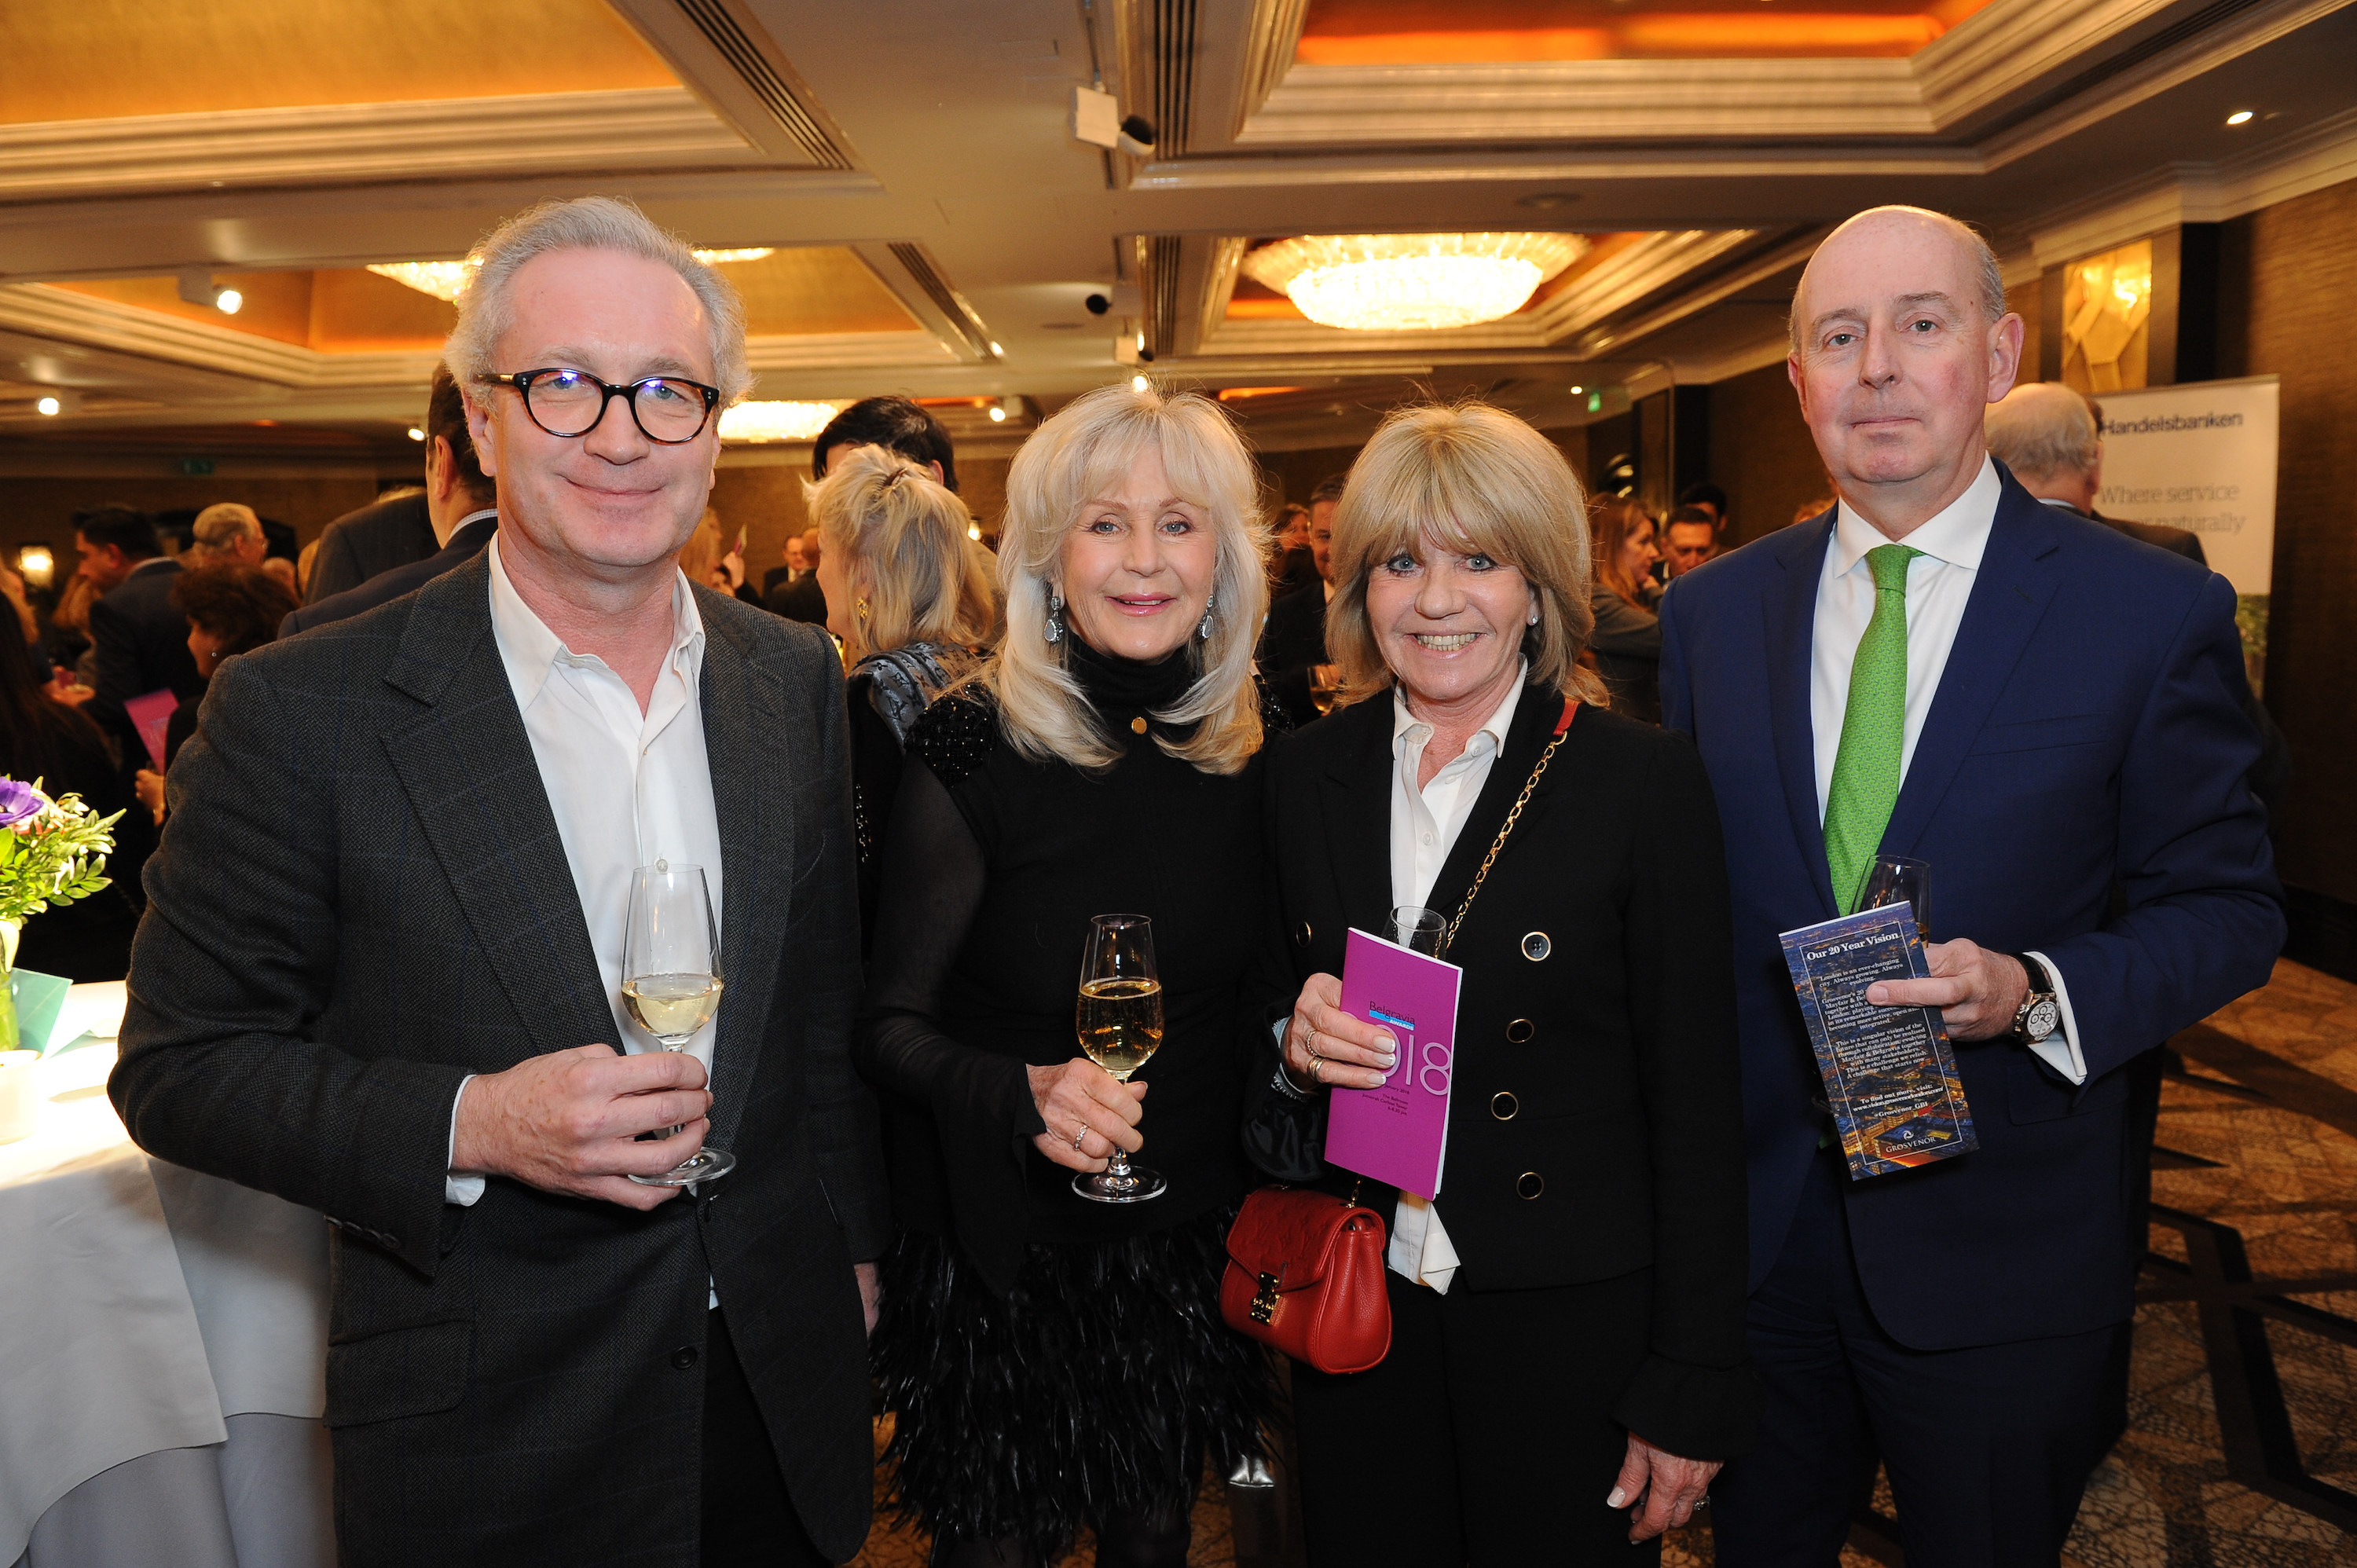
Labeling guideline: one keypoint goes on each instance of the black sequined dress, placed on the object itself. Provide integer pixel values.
(1051, 1361)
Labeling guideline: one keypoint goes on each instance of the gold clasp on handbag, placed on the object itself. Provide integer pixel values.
(1264, 1304)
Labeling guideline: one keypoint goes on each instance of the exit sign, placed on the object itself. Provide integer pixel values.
(195, 467)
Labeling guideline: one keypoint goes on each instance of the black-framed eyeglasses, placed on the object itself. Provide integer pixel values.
(568, 402)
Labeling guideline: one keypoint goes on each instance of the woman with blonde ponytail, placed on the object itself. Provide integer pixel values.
(1051, 1360)
(909, 597)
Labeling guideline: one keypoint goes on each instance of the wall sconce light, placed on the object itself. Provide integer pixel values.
(416, 433)
(38, 564)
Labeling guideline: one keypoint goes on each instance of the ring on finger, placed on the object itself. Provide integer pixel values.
(1316, 1067)
(1080, 1133)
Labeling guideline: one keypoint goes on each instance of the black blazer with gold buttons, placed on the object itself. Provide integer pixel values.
(1596, 1123)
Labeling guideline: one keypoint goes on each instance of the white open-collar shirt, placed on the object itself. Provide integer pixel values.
(627, 788)
(1939, 582)
(1426, 822)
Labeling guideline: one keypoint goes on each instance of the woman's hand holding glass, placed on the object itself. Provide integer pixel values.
(1087, 1113)
(1326, 1048)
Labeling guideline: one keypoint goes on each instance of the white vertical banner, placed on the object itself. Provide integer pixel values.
(2202, 456)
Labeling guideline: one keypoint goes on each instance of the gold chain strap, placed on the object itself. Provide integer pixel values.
(1448, 939)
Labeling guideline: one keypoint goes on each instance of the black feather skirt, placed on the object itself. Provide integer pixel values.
(1095, 1388)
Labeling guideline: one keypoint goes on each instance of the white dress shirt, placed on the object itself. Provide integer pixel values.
(1939, 582)
(1425, 823)
(628, 787)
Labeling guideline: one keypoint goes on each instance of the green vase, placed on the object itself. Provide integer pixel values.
(8, 930)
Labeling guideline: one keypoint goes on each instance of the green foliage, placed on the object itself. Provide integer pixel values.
(55, 857)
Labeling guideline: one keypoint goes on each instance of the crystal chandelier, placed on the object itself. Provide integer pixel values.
(446, 281)
(1400, 282)
(775, 420)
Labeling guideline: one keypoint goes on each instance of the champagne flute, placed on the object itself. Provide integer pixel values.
(1120, 1025)
(1895, 879)
(671, 981)
(1417, 929)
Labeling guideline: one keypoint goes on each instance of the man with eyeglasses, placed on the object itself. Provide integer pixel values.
(383, 978)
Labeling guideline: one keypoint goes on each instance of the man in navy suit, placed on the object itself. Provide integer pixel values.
(2051, 715)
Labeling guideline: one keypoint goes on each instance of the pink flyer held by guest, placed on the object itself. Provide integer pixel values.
(1398, 1132)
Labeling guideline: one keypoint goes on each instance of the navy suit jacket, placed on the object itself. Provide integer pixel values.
(2077, 788)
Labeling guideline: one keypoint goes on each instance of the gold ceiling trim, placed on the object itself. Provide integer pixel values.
(346, 144)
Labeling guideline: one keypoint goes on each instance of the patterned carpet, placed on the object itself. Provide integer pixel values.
(2241, 1448)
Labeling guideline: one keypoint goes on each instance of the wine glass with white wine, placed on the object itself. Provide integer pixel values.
(671, 981)
(1120, 1025)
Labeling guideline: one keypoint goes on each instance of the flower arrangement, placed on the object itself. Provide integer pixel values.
(53, 851)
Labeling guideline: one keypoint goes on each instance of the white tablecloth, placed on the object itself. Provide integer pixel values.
(142, 1306)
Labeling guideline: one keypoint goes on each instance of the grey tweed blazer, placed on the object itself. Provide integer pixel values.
(361, 898)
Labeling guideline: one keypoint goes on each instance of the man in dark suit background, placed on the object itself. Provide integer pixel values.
(462, 506)
(2051, 715)
(2050, 436)
(1293, 639)
(382, 978)
(139, 640)
(802, 599)
(393, 530)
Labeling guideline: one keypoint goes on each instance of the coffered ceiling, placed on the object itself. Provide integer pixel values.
(933, 226)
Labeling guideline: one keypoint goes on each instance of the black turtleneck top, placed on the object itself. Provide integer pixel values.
(993, 866)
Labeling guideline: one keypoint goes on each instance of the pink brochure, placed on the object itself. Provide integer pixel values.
(151, 713)
(1399, 1131)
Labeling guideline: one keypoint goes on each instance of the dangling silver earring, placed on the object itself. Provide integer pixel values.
(1203, 626)
(1054, 630)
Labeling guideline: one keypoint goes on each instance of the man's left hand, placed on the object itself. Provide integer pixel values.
(871, 1292)
(1976, 991)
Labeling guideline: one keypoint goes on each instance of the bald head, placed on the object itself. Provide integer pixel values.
(1979, 262)
(1900, 340)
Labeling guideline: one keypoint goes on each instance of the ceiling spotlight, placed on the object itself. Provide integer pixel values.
(49, 406)
(197, 287)
(997, 350)
(1577, 391)
(997, 414)
(775, 420)
(1396, 282)
(2239, 117)
(229, 302)
(1139, 383)
(417, 434)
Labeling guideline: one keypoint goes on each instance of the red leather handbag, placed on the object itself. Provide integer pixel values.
(1306, 1274)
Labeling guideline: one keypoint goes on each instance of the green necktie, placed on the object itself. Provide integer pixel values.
(1874, 731)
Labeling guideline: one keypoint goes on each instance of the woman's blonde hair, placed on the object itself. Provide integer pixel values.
(1081, 452)
(890, 524)
(704, 549)
(1610, 522)
(1481, 480)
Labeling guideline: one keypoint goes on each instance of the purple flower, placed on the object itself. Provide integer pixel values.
(19, 800)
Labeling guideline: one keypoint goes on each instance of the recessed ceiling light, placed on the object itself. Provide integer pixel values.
(416, 433)
(50, 406)
(2239, 117)
(229, 302)
(1577, 391)
(996, 350)
(997, 414)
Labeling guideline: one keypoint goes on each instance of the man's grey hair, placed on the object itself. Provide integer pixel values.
(218, 527)
(587, 223)
(1989, 277)
(2044, 428)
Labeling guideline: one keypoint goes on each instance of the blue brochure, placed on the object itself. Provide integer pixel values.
(1891, 1079)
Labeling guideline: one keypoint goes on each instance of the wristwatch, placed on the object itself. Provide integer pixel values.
(2039, 1013)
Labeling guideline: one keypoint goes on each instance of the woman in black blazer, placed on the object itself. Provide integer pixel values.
(1568, 1366)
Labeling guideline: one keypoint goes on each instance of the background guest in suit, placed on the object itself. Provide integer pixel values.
(1293, 643)
(1627, 641)
(232, 609)
(804, 599)
(383, 981)
(1689, 538)
(1571, 1341)
(911, 599)
(2051, 436)
(895, 422)
(1052, 1361)
(777, 576)
(226, 532)
(139, 640)
(461, 507)
(2051, 715)
(394, 530)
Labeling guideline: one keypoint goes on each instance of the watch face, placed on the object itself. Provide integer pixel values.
(2042, 1018)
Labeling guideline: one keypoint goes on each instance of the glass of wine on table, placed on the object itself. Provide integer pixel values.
(671, 981)
(1120, 1024)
